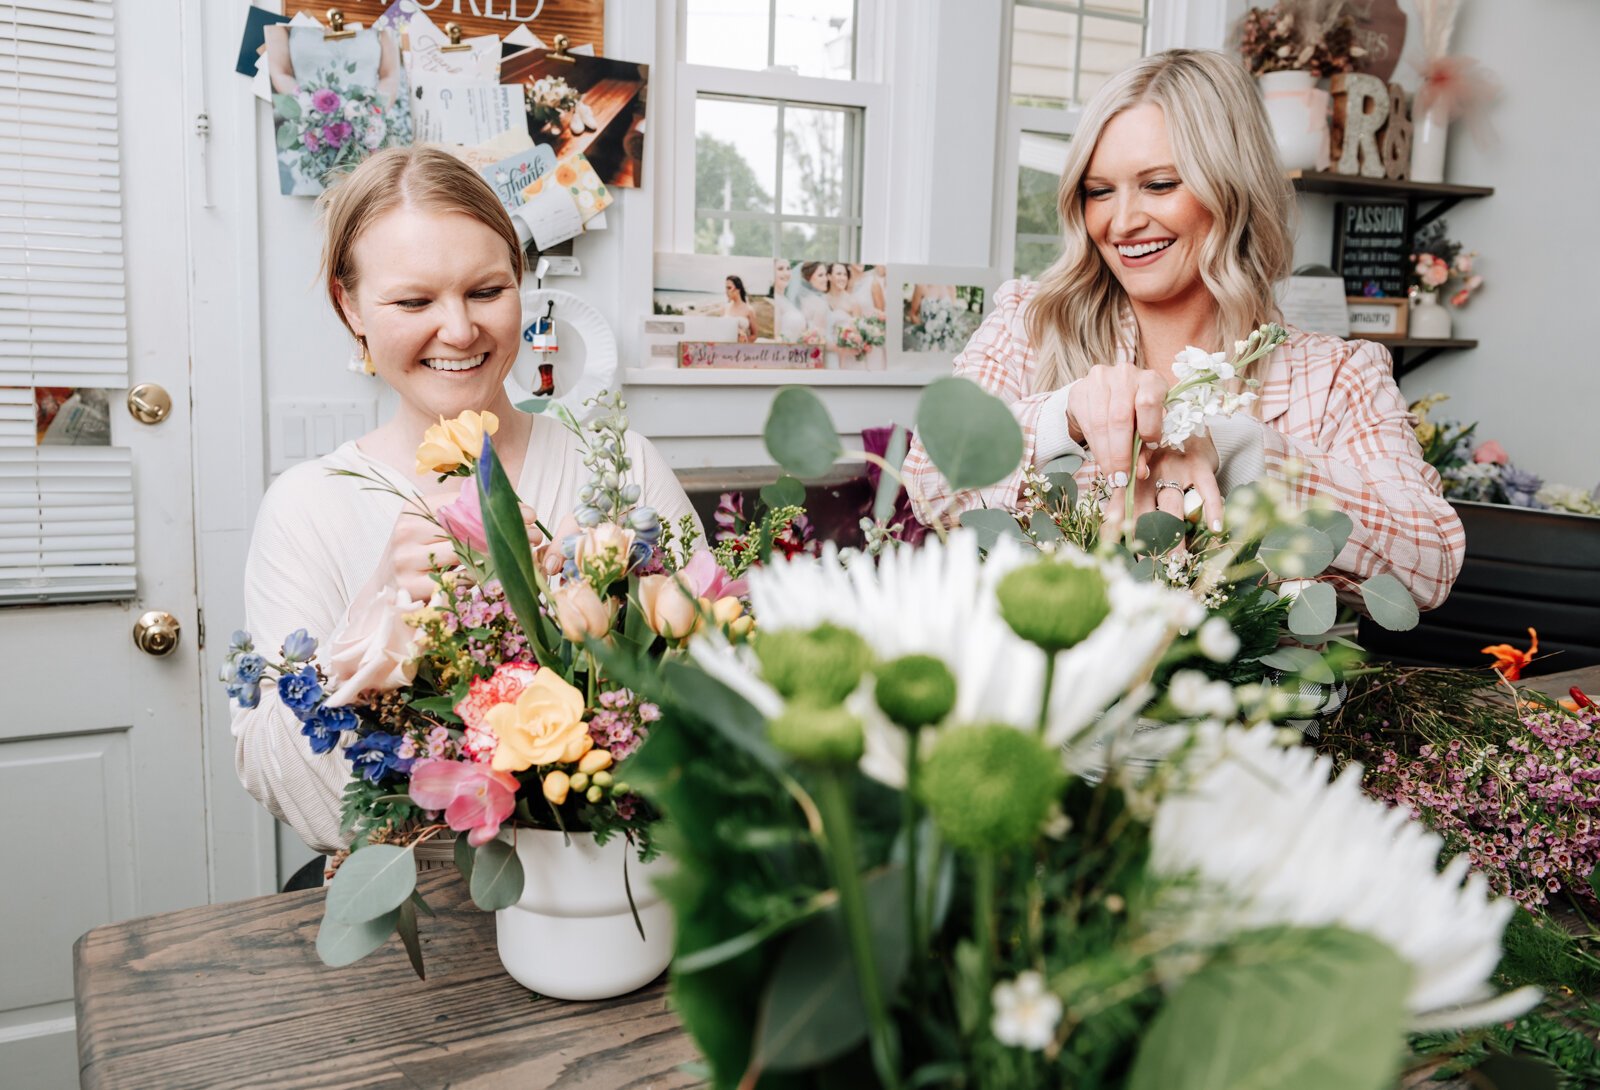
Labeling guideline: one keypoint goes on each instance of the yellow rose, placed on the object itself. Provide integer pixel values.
(670, 607)
(544, 726)
(449, 444)
(583, 613)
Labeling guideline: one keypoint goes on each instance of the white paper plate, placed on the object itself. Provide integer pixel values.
(586, 357)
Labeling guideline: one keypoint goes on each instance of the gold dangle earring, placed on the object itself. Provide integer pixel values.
(366, 358)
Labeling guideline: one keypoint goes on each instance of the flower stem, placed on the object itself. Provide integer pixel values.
(1127, 496)
(837, 822)
(983, 926)
(1044, 698)
(909, 823)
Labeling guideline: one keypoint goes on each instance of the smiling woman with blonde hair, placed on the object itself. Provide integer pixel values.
(1175, 217)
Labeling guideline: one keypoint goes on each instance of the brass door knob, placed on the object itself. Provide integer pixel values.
(156, 633)
(149, 403)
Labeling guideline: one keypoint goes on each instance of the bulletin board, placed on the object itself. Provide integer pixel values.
(582, 21)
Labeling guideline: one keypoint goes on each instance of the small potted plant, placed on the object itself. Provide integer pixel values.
(1437, 263)
(1288, 47)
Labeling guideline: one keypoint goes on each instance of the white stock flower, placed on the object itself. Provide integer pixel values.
(1025, 1012)
(940, 600)
(1195, 695)
(1216, 640)
(1190, 361)
(1272, 842)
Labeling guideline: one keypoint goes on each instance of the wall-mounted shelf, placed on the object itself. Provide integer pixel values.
(1412, 352)
(1441, 196)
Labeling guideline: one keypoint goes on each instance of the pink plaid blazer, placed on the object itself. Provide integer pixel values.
(1329, 406)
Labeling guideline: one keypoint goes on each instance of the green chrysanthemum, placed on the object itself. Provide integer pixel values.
(990, 788)
(821, 666)
(1053, 604)
(915, 690)
(825, 735)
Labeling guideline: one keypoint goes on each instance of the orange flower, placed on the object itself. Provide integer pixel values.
(1508, 661)
(565, 175)
(533, 189)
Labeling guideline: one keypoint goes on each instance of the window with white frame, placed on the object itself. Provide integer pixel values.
(1061, 52)
(775, 155)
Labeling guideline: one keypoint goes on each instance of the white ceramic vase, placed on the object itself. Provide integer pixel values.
(1428, 138)
(1298, 112)
(1430, 320)
(572, 935)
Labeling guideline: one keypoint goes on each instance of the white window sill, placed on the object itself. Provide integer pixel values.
(731, 376)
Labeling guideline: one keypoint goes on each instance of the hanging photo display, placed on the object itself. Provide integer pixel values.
(582, 21)
(578, 103)
(335, 100)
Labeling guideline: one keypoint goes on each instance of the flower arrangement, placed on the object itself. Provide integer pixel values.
(778, 525)
(325, 129)
(1438, 261)
(489, 707)
(1456, 87)
(1316, 36)
(873, 329)
(1482, 471)
(941, 327)
(553, 103)
(847, 336)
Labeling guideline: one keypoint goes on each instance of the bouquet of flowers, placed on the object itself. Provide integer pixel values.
(778, 525)
(873, 330)
(1316, 36)
(940, 329)
(1482, 472)
(1438, 261)
(553, 102)
(847, 336)
(490, 705)
(325, 129)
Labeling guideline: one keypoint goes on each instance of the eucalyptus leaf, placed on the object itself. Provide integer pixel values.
(465, 855)
(1296, 552)
(1314, 610)
(1390, 604)
(725, 951)
(888, 483)
(1315, 1010)
(1159, 531)
(811, 1009)
(372, 882)
(340, 944)
(786, 491)
(1067, 464)
(1300, 662)
(992, 524)
(406, 924)
(1336, 524)
(800, 434)
(496, 876)
(1044, 529)
(969, 434)
(422, 906)
(1066, 487)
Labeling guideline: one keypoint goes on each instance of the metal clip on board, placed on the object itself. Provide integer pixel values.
(336, 31)
(456, 44)
(559, 53)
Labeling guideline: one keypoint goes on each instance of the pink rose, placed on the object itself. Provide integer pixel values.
(707, 579)
(373, 649)
(462, 517)
(1492, 452)
(1438, 272)
(475, 799)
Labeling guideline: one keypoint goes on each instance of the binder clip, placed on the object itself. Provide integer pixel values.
(336, 31)
(456, 44)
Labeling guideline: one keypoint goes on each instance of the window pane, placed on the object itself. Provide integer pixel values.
(819, 161)
(1044, 49)
(816, 38)
(727, 235)
(818, 242)
(729, 33)
(1040, 159)
(735, 155)
(1109, 46)
(1135, 8)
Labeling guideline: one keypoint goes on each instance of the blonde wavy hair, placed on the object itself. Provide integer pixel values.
(1225, 156)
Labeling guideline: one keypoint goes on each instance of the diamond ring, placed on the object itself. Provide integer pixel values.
(1160, 484)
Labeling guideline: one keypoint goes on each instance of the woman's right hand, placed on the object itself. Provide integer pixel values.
(415, 546)
(1107, 408)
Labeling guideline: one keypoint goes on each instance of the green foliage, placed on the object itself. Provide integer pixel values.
(497, 877)
(993, 523)
(888, 483)
(371, 883)
(1390, 604)
(340, 944)
(1296, 552)
(1314, 610)
(1315, 1010)
(969, 434)
(512, 555)
(799, 433)
(1158, 532)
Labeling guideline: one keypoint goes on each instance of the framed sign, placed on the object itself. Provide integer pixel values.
(582, 21)
(801, 357)
(1377, 318)
(1372, 246)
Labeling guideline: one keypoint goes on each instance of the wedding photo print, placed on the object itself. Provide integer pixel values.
(940, 317)
(723, 299)
(837, 305)
(334, 102)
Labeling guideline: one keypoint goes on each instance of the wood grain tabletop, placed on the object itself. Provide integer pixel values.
(233, 995)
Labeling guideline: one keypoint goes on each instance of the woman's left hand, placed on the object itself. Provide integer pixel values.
(1193, 467)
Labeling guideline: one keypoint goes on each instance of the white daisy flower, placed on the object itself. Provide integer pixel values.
(1272, 842)
(1025, 1013)
(940, 600)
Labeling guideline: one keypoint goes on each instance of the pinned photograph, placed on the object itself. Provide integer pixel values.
(578, 103)
(835, 304)
(335, 100)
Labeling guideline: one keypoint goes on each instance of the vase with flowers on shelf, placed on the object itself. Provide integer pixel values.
(1438, 263)
(1289, 47)
(1453, 88)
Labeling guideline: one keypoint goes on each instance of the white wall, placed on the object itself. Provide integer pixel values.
(1532, 383)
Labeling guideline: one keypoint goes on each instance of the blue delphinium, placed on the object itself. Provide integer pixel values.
(323, 728)
(301, 692)
(376, 755)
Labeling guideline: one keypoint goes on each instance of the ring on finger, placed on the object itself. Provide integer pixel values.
(1163, 483)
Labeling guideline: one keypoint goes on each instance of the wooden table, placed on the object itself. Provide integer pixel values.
(233, 995)
(1586, 678)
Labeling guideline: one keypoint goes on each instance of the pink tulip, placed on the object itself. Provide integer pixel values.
(669, 606)
(708, 579)
(462, 517)
(475, 798)
(1491, 451)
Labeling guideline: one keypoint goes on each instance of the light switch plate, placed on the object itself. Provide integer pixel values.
(302, 430)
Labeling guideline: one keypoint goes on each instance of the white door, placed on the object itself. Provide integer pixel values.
(102, 807)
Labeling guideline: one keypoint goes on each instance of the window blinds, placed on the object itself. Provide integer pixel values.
(66, 513)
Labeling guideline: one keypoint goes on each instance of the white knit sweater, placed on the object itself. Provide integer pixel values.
(317, 541)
